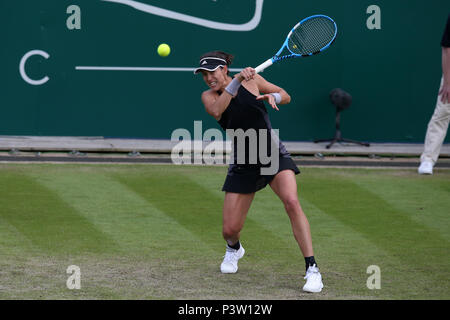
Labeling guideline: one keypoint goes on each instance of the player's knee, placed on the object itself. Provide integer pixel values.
(230, 231)
(291, 203)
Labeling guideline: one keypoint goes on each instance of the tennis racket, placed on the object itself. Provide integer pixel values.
(310, 36)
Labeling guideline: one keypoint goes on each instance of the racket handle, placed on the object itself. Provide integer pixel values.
(263, 66)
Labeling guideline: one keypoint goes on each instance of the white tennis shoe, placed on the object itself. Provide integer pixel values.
(426, 167)
(230, 260)
(313, 280)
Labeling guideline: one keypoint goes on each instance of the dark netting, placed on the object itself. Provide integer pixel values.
(311, 36)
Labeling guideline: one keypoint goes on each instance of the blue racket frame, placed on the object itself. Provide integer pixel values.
(285, 44)
(277, 56)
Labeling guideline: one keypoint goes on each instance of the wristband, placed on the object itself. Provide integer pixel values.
(277, 97)
(233, 87)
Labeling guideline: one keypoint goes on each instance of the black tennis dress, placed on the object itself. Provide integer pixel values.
(244, 173)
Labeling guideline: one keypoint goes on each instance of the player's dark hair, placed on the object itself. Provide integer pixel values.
(219, 54)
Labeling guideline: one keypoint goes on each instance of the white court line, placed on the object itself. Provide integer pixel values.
(99, 68)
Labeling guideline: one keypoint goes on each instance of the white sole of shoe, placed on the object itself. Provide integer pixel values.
(313, 290)
(233, 271)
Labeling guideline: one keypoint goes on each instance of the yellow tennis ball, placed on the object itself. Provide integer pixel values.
(163, 50)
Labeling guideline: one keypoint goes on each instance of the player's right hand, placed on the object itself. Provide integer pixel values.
(246, 74)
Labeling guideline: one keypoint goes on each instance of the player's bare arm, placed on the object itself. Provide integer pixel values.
(267, 89)
(215, 104)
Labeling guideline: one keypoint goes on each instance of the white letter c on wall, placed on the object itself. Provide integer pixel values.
(22, 67)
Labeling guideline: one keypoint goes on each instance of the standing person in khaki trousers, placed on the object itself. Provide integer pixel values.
(438, 125)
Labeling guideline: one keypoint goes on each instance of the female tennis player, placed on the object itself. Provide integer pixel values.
(237, 103)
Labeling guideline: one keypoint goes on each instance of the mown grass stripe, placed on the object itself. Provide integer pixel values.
(121, 213)
(42, 217)
(425, 201)
(12, 240)
(390, 228)
(190, 206)
(371, 215)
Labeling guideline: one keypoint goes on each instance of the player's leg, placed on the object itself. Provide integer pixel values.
(235, 209)
(285, 186)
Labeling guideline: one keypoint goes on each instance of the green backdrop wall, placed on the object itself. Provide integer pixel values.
(393, 73)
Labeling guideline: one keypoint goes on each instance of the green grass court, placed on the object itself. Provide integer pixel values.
(154, 232)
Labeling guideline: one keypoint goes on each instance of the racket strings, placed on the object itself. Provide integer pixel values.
(312, 36)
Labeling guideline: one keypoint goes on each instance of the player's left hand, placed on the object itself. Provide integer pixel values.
(270, 100)
(444, 93)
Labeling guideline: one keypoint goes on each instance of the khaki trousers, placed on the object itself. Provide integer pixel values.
(436, 131)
